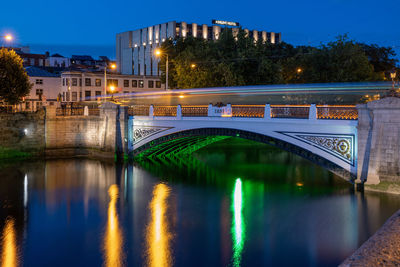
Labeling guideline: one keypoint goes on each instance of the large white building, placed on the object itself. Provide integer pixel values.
(135, 49)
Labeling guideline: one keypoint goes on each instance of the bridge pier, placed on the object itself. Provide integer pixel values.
(379, 141)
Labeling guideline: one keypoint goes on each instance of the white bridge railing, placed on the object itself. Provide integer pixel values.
(312, 112)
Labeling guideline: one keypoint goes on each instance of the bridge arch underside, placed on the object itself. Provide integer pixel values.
(188, 141)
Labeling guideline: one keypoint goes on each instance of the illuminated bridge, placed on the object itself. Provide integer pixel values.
(326, 135)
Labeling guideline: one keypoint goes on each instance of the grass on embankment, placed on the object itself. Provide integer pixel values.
(6, 153)
(387, 187)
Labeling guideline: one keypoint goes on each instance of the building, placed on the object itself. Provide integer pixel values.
(84, 85)
(135, 49)
(28, 59)
(57, 61)
(45, 88)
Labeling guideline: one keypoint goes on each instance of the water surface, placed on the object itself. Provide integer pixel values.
(233, 203)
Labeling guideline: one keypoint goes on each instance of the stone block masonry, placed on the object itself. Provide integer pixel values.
(379, 141)
(45, 134)
(22, 134)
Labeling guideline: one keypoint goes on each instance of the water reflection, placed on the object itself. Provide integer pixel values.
(238, 227)
(9, 257)
(157, 235)
(113, 240)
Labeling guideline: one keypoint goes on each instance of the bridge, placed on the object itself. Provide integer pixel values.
(358, 142)
(325, 135)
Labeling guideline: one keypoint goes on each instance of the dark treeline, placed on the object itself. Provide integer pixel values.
(234, 61)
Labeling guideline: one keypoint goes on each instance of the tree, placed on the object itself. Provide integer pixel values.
(14, 82)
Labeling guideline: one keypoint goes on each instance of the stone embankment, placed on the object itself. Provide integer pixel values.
(45, 133)
(382, 249)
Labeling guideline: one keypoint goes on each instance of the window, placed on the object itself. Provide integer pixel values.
(88, 82)
(67, 80)
(134, 83)
(67, 96)
(74, 96)
(126, 83)
(39, 91)
(74, 82)
(63, 81)
(98, 82)
(80, 81)
(27, 105)
(98, 93)
(63, 96)
(39, 81)
(88, 94)
(151, 84)
(125, 92)
(158, 84)
(141, 83)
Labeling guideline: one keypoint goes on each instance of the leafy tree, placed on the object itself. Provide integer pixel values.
(14, 82)
(234, 60)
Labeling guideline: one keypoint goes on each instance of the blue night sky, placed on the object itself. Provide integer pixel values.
(89, 27)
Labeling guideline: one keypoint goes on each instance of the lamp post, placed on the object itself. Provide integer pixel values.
(159, 53)
(112, 66)
(393, 92)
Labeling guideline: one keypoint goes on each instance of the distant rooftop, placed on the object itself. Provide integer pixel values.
(56, 55)
(38, 72)
(84, 57)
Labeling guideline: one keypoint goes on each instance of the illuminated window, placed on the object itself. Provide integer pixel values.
(141, 83)
(134, 83)
(98, 82)
(151, 84)
(158, 84)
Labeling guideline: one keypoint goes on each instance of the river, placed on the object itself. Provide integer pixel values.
(232, 203)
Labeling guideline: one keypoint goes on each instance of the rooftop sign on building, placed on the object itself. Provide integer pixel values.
(223, 22)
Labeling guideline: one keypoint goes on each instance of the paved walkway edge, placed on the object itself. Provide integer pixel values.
(381, 249)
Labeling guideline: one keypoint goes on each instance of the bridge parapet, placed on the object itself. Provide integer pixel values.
(325, 112)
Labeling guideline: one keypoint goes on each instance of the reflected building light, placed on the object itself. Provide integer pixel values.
(157, 233)
(9, 256)
(238, 227)
(25, 190)
(113, 241)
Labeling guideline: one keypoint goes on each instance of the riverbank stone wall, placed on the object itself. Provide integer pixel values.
(22, 134)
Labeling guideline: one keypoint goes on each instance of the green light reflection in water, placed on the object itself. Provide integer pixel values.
(238, 226)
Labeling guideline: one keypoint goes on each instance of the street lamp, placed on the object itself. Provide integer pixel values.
(7, 37)
(112, 66)
(159, 53)
(393, 76)
(112, 88)
(193, 66)
(299, 70)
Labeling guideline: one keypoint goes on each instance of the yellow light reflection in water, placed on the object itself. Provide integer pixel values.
(238, 227)
(9, 257)
(113, 241)
(158, 235)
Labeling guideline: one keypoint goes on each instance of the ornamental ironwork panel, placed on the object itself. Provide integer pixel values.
(341, 146)
(293, 112)
(165, 111)
(142, 132)
(337, 112)
(138, 110)
(248, 111)
(195, 111)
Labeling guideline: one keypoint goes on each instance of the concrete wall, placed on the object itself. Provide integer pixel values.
(379, 141)
(22, 132)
